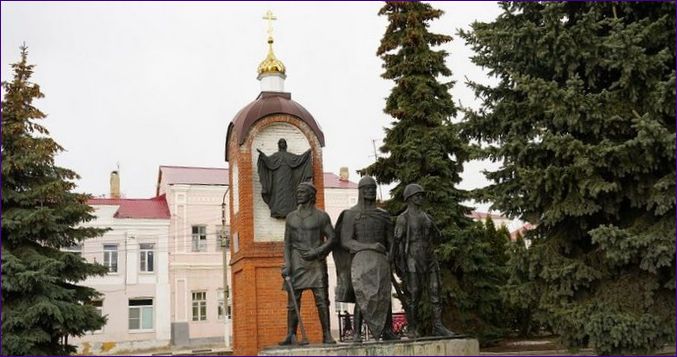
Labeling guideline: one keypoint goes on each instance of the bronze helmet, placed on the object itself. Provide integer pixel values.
(412, 189)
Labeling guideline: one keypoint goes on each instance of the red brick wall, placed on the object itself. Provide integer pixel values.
(259, 303)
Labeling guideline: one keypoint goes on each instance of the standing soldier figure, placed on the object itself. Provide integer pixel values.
(363, 262)
(308, 238)
(414, 233)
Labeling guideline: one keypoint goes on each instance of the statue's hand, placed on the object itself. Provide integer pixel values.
(379, 248)
(310, 254)
(285, 271)
(260, 152)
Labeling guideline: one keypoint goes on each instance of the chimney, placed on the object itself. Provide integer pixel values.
(344, 174)
(114, 185)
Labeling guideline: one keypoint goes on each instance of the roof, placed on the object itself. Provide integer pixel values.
(333, 181)
(521, 230)
(480, 216)
(136, 208)
(171, 175)
(265, 104)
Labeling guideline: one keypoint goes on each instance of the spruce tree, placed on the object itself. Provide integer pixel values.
(41, 303)
(583, 120)
(423, 145)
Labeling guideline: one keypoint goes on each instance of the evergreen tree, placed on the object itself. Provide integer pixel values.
(477, 261)
(583, 120)
(41, 303)
(423, 146)
(520, 294)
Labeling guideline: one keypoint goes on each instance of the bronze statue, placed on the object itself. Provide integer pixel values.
(308, 239)
(416, 263)
(280, 174)
(366, 232)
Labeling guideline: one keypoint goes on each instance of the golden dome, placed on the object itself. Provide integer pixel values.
(271, 64)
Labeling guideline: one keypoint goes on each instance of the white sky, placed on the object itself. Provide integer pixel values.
(146, 84)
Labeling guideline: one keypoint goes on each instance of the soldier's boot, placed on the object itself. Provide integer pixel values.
(323, 311)
(357, 325)
(438, 328)
(388, 334)
(412, 322)
(292, 324)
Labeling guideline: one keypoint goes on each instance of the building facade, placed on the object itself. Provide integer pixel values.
(200, 305)
(135, 292)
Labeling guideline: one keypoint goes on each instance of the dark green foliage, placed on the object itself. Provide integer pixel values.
(583, 119)
(41, 304)
(422, 145)
(520, 294)
(474, 278)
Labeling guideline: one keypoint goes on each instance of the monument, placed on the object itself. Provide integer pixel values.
(257, 247)
(416, 263)
(366, 232)
(308, 239)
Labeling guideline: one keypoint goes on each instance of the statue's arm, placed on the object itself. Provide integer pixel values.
(347, 240)
(286, 268)
(434, 230)
(329, 234)
(400, 239)
(390, 240)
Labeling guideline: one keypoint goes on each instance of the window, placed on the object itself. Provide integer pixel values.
(199, 305)
(199, 238)
(141, 314)
(75, 249)
(146, 257)
(110, 257)
(221, 305)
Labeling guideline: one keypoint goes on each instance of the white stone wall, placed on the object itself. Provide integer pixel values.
(236, 187)
(267, 228)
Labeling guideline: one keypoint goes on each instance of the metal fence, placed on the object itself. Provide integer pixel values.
(347, 327)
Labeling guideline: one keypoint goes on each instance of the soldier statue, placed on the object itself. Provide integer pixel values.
(416, 263)
(308, 238)
(363, 262)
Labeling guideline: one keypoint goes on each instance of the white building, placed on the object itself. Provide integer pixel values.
(135, 292)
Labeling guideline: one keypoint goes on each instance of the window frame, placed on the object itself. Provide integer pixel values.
(144, 254)
(200, 304)
(141, 308)
(108, 255)
(199, 238)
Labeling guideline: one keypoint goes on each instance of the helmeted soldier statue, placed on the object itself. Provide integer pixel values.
(416, 263)
(363, 262)
(308, 238)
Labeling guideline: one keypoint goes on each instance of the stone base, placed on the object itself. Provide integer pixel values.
(457, 346)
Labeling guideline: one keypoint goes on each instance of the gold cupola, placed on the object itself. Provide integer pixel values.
(271, 65)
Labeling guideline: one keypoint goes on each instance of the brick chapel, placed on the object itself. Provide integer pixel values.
(259, 303)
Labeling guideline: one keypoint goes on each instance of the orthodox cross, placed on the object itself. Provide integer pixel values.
(270, 17)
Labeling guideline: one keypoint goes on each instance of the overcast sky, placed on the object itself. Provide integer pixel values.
(146, 84)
